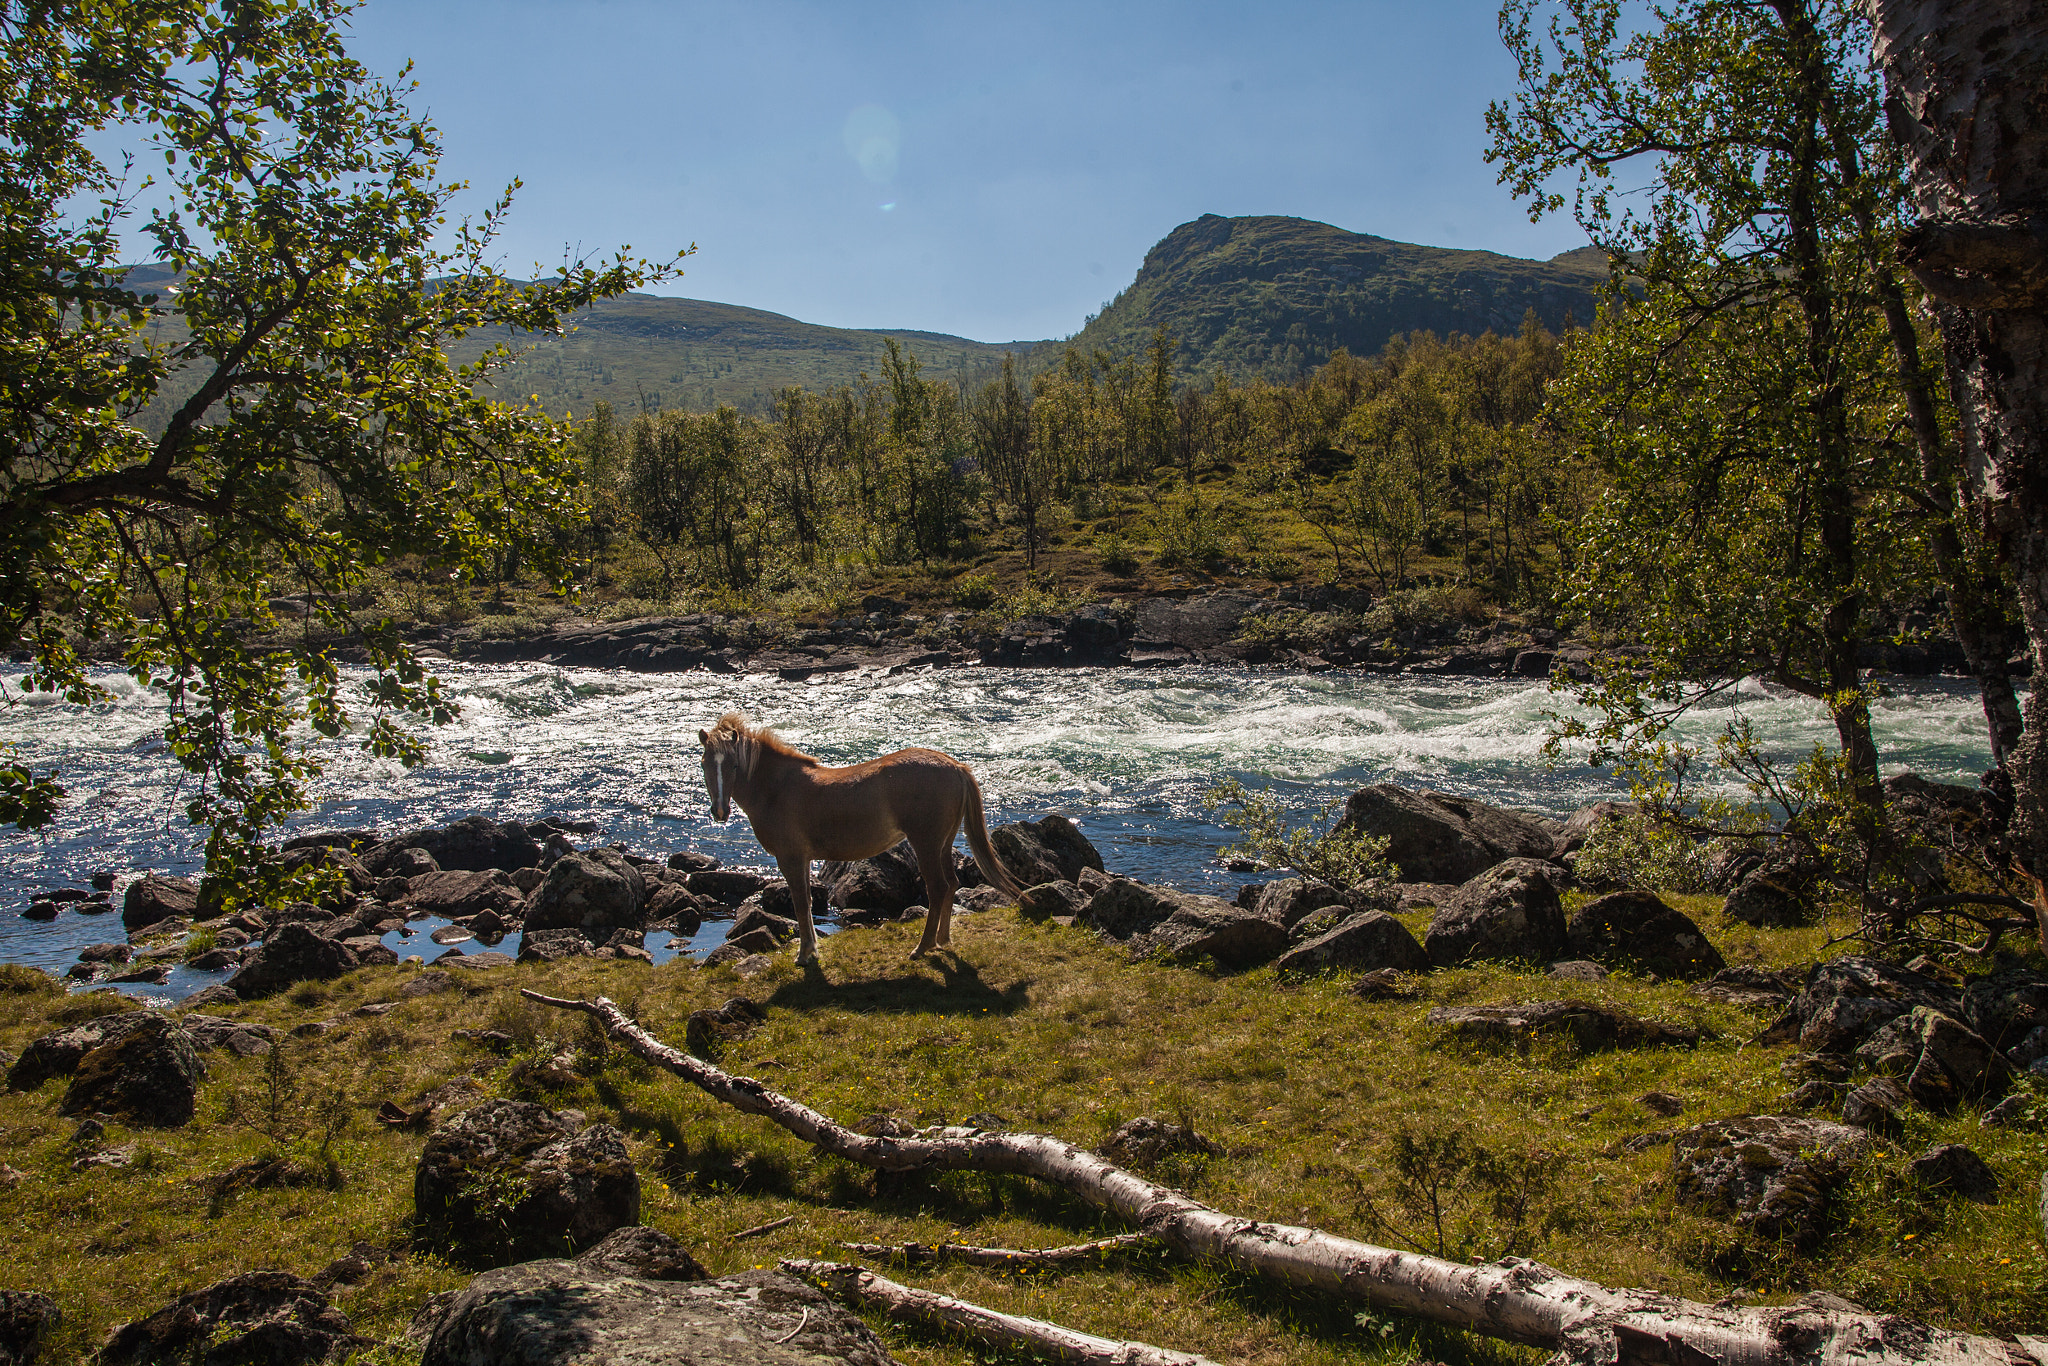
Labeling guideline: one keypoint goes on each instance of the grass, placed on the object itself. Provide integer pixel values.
(1309, 1089)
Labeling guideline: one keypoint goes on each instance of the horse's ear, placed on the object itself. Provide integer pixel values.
(704, 737)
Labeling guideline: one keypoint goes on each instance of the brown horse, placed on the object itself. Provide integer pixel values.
(803, 810)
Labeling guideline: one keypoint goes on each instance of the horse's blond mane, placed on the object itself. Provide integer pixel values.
(751, 739)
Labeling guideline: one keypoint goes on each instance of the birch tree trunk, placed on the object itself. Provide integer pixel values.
(1514, 1299)
(1967, 98)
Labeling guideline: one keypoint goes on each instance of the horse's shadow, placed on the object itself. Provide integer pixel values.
(961, 991)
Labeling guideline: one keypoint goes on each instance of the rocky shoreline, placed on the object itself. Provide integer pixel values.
(1302, 630)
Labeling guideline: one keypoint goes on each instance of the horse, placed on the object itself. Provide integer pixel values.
(802, 809)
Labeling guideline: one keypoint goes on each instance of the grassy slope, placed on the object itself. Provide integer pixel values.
(1273, 296)
(1053, 1030)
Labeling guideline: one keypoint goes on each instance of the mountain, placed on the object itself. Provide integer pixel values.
(687, 353)
(1272, 297)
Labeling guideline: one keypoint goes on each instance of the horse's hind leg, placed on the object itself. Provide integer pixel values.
(797, 873)
(935, 866)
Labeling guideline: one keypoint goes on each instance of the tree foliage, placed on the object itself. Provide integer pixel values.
(307, 422)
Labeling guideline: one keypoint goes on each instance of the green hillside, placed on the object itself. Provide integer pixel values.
(687, 353)
(1273, 297)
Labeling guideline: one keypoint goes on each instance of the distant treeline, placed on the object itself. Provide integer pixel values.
(1433, 448)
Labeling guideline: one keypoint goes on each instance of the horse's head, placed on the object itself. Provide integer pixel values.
(727, 752)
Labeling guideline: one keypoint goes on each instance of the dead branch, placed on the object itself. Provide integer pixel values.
(759, 1229)
(1514, 1299)
(863, 1289)
(1001, 1258)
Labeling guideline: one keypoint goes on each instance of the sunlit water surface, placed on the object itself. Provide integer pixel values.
(1127, 754)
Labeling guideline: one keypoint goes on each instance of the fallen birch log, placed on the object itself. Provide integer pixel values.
(1514, 1299)
(1002, 1258)
(860, 1288)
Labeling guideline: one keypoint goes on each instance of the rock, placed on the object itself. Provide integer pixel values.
(1155, 919)
(271, 1317)
(1815, 1067)
(1591, 1027)
(292, 954)
(148, 1075)
(548, 1312)
(773, 901)
(887, 882)
(243, 1038)
(428, 984)
(477, 962)
(57, 1054)
(646, 1253)
(1662, 1103)
(690, 861)
(1639, 929)
(1751, 988)
(726, 886)
(1144, 1142)
(510, 1179)
(708, 1031)
(753, 916)
(1956, 1169)
(1580, 825)
(1954, 1064)
(675, 906)
(1771, 1174)
(759, 940)
(1576, 970)
(26, 1318)
(1049, 899)
(584, 891)
(1878, 1105)
(1435, 837)
(40, 910)
(455, 894)
(153, 898)
(106, 953)
(1846, 999)
(1819, 1095)
(1290, 900)
(213, 994)
(1050, 849)
(2006, 1008)
(400, 861)
(355, 878)
(1770, 895)
(471, 845)
(1506, 913)
(974, 900)
(1364, 941)
(551, 946)
(2014, 1112)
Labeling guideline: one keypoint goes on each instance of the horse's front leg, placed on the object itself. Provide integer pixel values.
(797, 873)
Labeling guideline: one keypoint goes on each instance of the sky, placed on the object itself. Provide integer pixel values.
(992, 171)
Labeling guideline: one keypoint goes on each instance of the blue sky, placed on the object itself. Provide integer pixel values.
(995, 171)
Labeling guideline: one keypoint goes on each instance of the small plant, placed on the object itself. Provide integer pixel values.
(1117, 554)
(90, 1005)
(19, 979)
(1324, 850)
(302, 1120)
(198, 942)
(1191, 535)
(1460, 1198)
(974, 591)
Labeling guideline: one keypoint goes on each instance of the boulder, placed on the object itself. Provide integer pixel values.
(1436, 837)
(399, 861)
(1508, 912)
(708, 1031)
(355, 878)
(674, 905)
(646, 1253)
(1050, 849)
(1753, 988)
(1364, 941)
(1953, 1063)
(1210, 927)
(26, 1318)
(550, 946)
(1144, 1142)
(150, 1075)
(471, 845)
(1767, 899)
(587, 890)
(888, 882)
(292, 954)
(773, 899)
(2005, 1007)
(243, 1038)
(454, 894)
(510, 1179)
(1049, 899)
(1955, 1169)
(690, 861)
(1589, 1026)
(1291, 899)
(547, 1312)
(1771, 1174)
(754, 916)
(1580, 825)
(726, 886)
(57, 1054)
(1642, 931)
(1879, 1105)
(1846, 999)
(271, 1317)
(154, 897)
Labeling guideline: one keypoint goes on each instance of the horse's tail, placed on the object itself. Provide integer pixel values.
(977, 840)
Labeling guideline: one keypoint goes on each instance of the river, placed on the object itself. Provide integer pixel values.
(1126, 753)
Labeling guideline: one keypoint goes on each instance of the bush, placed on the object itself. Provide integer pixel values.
(1425, 607)
(974, 591)
(1191, 536)
(1636, 851)
(1321, 850)
(1118, 555)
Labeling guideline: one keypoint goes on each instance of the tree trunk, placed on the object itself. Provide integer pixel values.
(1514, 1299)
(860, 1288)
(1967, 84)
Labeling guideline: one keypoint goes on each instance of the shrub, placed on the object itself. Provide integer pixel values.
(1118, 555)
(1321, 849)
(19, 979)
(1636, 851)
(974, 591)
